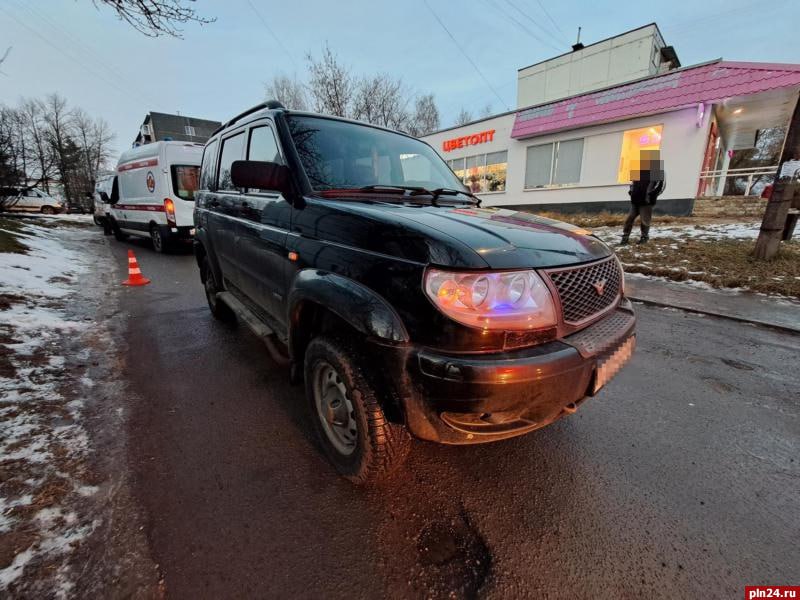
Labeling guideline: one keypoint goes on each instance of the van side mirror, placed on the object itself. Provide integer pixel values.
(261, 175)
(104, 198)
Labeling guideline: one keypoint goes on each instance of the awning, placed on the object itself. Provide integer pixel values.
(706, 83)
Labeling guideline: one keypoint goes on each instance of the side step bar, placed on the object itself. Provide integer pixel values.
(255, 324)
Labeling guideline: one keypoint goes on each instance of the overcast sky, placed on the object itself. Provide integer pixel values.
(218, 70)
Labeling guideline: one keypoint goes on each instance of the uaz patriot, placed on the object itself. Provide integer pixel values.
(406, 308)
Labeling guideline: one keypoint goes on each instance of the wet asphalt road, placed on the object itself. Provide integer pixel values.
(681, 479)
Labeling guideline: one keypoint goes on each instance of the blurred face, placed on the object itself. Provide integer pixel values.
(649, 166)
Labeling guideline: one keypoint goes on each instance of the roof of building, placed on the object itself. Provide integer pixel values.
(173, 126)
(710, 82)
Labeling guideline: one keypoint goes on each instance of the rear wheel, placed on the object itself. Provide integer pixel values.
(355, 434)
(97, 220)
(218, 308)
(48, 210)
(159, 242)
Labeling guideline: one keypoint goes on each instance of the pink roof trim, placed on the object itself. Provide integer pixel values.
(677, 89)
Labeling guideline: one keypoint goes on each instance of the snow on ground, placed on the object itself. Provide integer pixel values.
(712, 231)
(42, 441)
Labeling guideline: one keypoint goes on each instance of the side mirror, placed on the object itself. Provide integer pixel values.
(104, 198)
(260, 175)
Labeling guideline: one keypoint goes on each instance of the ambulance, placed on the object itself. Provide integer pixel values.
(154, 195)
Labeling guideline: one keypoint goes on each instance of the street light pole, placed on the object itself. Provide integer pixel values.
(785, 194)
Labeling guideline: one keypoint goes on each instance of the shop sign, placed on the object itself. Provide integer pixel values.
(468, 140)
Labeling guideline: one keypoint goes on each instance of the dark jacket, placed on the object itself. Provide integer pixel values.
(645, 192)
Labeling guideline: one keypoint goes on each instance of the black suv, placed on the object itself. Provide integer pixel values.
(370, 270)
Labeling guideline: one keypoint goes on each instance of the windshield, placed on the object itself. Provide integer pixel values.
(338, 154)
(184, 180)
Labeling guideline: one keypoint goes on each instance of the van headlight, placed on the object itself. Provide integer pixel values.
(492, 300)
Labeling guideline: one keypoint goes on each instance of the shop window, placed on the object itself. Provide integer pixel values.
(474, 175)
(554, 164)
(482, 172)
(634, 141)
(496, 169)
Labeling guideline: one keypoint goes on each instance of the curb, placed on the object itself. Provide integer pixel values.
(778, 326)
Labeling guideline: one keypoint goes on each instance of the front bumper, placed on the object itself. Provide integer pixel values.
(467, 399)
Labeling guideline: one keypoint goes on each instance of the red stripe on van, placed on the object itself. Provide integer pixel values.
(139, 164)
(147, 207)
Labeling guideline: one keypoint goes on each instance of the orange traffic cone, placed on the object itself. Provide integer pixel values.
(135, 276)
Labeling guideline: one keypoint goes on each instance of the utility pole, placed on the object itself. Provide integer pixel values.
(785, 194)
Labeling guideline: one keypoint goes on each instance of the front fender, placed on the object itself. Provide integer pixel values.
(356, 304)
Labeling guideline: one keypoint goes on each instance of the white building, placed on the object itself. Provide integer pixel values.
(576, 152)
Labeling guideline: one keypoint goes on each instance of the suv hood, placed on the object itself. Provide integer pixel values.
(500, 238)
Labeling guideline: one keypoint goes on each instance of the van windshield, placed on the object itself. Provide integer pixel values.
(184, 180)
(337, 154)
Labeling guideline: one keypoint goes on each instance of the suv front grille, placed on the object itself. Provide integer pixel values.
(586, 291)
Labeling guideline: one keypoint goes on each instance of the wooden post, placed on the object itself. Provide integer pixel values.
(783, 193)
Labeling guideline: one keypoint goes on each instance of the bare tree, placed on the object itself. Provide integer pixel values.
(288, 92)
(463, 117)
(4, 57)
(155, 17)
(381, 100)
(486, 111)
(94, 140)
(59, 123)
(425, 119)
(41, 167)
(331, 84)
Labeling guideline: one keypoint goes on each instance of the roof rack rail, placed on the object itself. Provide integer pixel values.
(257, 107)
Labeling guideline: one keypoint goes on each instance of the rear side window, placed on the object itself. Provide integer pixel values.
(232, 149)
(184, 181)
(207, 170)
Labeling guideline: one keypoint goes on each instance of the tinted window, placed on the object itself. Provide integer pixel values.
(337, 154)
(232, 149)
(263, 145)
(207, 170)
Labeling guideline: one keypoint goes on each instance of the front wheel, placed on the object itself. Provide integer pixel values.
(48, 210)
(353, 429)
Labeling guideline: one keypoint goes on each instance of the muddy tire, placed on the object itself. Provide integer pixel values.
(218, 308)
(352, 427)
(160, 243)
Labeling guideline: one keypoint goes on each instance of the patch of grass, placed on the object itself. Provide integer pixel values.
(720, 263)
(9, 242)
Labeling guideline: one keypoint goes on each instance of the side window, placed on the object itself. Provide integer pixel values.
(232, 149)
(207, 170)
(263, 145)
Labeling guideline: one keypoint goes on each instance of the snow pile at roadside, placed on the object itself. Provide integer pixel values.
(713, 231)
(42, 441)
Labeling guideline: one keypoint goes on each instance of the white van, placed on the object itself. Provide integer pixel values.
(33, 200)
(102, 194)
(155, 192)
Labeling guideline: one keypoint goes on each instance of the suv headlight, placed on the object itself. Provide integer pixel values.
(492, 300)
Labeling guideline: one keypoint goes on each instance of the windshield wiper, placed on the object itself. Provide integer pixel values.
(421, 191)
(451, 192)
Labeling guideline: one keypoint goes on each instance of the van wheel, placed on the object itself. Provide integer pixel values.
(48, 210)
(159, 243)
(355, 434)
(97, 220)
(219, 309)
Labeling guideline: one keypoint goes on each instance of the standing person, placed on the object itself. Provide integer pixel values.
(647, 184)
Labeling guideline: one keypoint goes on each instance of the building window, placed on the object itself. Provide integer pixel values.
(634, 141)
(482, 172)
(554, 164)
(189, 130)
